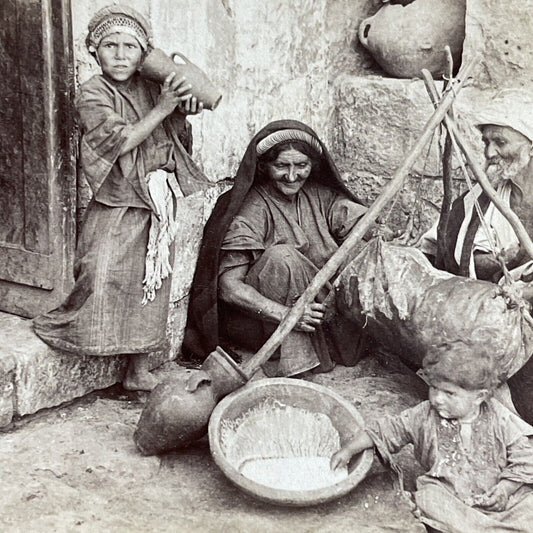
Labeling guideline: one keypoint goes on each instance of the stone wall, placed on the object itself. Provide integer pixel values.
(377, 118)
(301, 59)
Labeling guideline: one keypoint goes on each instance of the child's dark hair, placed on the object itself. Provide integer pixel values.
(458, 362)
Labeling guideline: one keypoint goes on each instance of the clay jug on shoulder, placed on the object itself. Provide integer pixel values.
(404, 39)
(157, 65)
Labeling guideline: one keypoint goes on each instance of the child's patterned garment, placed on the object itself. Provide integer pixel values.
(458, 473)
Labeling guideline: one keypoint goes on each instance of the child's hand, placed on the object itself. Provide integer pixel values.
(174, 91)
(191, 106)
(361, 441)
(340, 458)
(495, 500)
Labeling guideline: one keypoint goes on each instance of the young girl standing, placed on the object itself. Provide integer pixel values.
(134, 153)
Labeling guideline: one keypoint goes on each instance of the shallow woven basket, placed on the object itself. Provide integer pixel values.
(296, 393)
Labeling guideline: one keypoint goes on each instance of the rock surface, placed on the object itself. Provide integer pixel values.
(302, 59)
(33, 376)
(7, 387)
(41, 377)
(75, 468)
(500, 32)
(378, 120)
(271, 61)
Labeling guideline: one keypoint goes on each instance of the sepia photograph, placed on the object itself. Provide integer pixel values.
(266, 267)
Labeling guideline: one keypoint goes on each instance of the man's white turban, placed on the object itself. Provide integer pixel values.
(512, 108)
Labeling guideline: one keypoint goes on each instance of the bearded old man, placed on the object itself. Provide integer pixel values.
(506, 126)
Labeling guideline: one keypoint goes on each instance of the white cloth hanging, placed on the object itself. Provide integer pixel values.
(163, 229)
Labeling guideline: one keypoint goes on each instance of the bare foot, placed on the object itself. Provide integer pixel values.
(145, 382)
(138, 375)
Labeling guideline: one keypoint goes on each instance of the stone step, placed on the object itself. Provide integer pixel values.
(34, 376)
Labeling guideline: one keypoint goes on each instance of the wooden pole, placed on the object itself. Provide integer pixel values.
(447, 192)
(460, 145)
(359, 230)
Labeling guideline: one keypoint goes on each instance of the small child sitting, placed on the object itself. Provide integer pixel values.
(477, 456)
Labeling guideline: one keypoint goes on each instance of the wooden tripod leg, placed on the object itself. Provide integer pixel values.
(447, 192)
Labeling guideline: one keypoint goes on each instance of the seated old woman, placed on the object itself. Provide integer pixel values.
(286, 214)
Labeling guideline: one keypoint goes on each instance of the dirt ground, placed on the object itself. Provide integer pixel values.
(75, 468)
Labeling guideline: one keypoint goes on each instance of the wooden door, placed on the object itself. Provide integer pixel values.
(37, 160)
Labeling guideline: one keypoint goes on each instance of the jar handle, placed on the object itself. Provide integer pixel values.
(174, 54)
(364, 29)
(196, 379)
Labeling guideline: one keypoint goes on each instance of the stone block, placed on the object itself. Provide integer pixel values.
(7, 388)
(415, 208)
(378, 121)
(192, 214)
(34, 376)
(44, 377)
(177, 319)
(499, 33)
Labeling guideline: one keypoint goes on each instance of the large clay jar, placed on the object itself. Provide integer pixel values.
(406, 39)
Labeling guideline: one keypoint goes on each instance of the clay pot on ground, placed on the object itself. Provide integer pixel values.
(406, 39)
